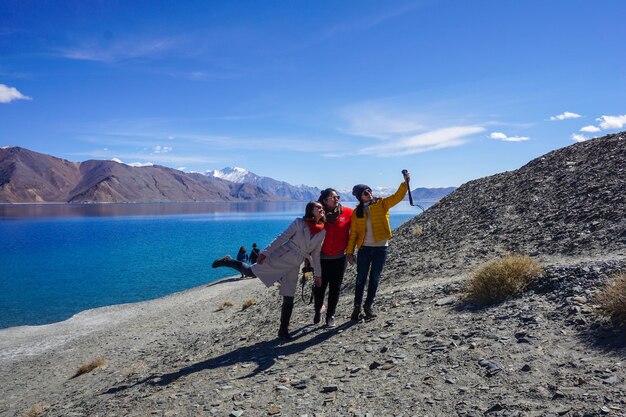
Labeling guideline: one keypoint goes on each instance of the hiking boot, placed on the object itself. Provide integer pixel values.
(330, 321)
(221, 261)
(356, 314)
(369, 313)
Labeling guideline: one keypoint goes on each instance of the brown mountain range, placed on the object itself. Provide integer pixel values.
(32, 177)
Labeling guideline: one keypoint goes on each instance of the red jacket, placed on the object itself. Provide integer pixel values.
(337, 234)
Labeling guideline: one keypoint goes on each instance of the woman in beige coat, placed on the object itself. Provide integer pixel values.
(281, 260)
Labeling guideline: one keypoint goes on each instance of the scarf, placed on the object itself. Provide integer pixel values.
(314, 228)
(332, 215)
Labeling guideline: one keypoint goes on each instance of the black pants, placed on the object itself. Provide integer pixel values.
(332, 277)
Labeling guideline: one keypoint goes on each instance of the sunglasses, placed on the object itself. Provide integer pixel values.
(367, 192)
(333, 197)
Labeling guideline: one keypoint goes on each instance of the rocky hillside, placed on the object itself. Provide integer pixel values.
(569, 202)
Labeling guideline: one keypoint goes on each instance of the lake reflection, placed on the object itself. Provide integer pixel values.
(15, 211)
(144, 209)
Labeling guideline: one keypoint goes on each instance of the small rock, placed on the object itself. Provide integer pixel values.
(445, 301)
(526, 368)
(329, 388)
(494, 408)
(274, 410)
(236, 413)
(612, 380)
(375, 365)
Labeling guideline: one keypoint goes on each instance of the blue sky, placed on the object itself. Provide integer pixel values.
(323, 93)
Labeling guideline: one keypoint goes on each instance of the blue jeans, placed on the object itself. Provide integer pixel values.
(370, 259)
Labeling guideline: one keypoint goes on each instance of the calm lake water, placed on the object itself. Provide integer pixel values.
(57, 260)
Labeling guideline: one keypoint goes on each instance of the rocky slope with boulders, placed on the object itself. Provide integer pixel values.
(430, 352)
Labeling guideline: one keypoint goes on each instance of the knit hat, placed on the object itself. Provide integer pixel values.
(358, 189)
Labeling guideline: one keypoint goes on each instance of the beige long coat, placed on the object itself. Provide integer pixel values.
(285, 255)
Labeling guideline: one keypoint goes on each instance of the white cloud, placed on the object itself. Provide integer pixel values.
(590, 129)
(566, 115)
(162, 149)
(501, 136)
(119, 161)
(612, 122)
(8, 94)
(579, 138)
(425, 142)
(373, 122)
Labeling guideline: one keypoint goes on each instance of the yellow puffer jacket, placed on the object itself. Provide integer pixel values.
(380, 220)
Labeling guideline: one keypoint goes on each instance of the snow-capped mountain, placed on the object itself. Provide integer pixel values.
(270, 185)
(234, 174)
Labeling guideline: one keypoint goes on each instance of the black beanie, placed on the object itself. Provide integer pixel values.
(358, 189)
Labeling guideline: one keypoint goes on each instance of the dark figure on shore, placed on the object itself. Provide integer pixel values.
(242, 256)
(333, 254)
(254, 253)
(370, 232)
(281, 260)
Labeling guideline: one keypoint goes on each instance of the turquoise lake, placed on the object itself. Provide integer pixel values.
(58, 260)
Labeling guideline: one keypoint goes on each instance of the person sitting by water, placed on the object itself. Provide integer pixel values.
(254, 253)
(281, 260)
(242, 255)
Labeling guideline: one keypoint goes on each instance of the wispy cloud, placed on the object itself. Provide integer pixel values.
(9, 94)
(590, 129)
(565, 115)
(579, 138)
(365, 22)
(143, 157)
(378, 124)
(505, 138)
(448, 137)
(117, 51)
(612, 122)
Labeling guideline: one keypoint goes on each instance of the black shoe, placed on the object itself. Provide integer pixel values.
(221, 261)
(283, 334)
(330, 321)
(369, 313)
(356, 314)
(317, 317)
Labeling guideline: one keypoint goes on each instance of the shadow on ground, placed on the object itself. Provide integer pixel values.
(606, 336)
(263, 353)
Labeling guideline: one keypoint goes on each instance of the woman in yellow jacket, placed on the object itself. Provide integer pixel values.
(370, 232)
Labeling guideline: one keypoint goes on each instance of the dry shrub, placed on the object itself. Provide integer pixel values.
(501, 278)
(612, 298)
(417, 230)
(35, 411)
(90, 366)
(248, 303)
(225, 304)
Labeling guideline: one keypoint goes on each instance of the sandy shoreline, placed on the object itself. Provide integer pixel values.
(26, 341)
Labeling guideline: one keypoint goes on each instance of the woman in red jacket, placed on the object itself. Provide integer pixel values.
(333, 254)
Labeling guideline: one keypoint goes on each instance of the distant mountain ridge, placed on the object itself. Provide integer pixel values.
(32, 177)
(280, 188)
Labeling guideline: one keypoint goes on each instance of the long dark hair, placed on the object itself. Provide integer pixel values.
(325, 193)
(359, 210)
(308, 211)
